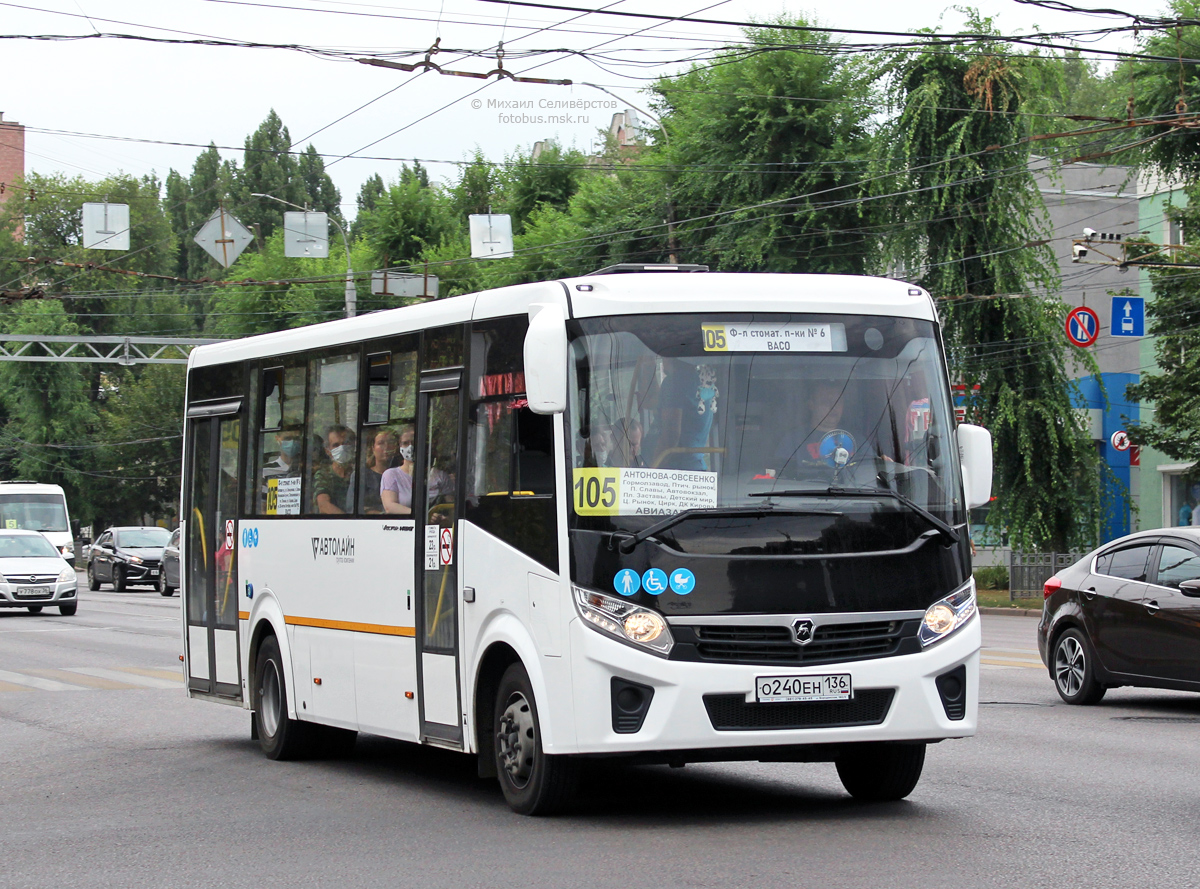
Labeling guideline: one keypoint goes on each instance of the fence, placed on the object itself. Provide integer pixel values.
(1028, 572)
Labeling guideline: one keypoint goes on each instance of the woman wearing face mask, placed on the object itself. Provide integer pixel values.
(331, 482)
(396, 488)
(383, 448)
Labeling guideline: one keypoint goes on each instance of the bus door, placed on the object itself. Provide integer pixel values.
(436, 513)
(210, 576)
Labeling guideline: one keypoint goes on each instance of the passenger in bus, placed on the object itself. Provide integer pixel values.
(628, 437)
(601, 448)
(289, 440)
(332, 489)
(396, 488)
(382, 446)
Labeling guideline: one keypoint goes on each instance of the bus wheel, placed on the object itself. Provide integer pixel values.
(280, 736)
(533, 782)
(881, 772)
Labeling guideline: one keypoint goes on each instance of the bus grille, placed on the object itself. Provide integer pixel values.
(776, 645)
(732, 713)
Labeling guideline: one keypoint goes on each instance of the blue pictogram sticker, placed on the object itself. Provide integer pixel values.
(627, 582)
(655, 581)
(249, 590)
(682, 581)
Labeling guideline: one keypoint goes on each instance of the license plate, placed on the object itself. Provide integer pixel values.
(154, 572)
(32, 592)
(826, 687)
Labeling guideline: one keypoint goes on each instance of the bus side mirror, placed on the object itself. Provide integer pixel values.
(546, 359)
(975, 456)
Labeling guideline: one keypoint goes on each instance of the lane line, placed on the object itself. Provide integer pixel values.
(131, 679)
(79, 679)
(997, 662)
(37, 682)
(175, 676)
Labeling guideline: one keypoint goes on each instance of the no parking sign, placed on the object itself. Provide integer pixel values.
(1083, 326)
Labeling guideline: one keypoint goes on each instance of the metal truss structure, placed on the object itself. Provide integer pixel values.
(123, 350)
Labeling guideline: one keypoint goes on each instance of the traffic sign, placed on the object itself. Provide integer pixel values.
(106, 226)
(223, 237)
(1083, 326)
(306, 234)
(1120, 440)
(1128, 316)
(446, 550)
(229, 533)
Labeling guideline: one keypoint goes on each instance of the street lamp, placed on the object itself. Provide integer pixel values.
(351, 293)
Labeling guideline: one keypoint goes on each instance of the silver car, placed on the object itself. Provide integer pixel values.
(33, 574)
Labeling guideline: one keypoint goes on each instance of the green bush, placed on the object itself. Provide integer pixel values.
(994, 577)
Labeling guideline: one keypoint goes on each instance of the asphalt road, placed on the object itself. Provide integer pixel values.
(112, 778)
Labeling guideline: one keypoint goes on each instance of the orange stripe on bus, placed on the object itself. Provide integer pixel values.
(380, 629)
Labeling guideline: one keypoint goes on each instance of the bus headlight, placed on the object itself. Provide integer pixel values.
(624, 620)
(946, 615)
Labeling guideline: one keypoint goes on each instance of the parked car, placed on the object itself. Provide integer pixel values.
(34, 574)
(125, 556)
(168, 578)
(1127, 613)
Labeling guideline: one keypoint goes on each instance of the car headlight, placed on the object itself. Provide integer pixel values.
(624, 620)
(137, 560)
(66, 574)
(67, 549)
(946, 615)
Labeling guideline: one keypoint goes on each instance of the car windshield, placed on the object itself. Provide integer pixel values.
(709, 412)
(33, 512)
(26, 546)
(143, 537)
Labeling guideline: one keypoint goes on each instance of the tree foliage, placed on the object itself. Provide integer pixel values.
(968, 223)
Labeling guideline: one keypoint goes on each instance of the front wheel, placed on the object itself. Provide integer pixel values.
(118, 574)
(1074, 670)
(533, 782)
(163, 589)
(280, 736)
(881, 772)
(68, 610)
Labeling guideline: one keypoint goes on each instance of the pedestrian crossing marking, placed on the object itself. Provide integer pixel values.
(89, 679)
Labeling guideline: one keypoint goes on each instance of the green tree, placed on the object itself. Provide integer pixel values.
(319, 191)
(410, 217)
(268, 168)
(527, 183)
(968, 215)
(368, 197)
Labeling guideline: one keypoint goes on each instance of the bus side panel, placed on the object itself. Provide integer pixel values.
(509, 586)
(345, 590)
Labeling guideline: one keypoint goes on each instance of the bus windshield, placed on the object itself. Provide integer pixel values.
(709, 413)
(33, 512)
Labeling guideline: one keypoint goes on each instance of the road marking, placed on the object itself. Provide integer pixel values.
(78, 679)
(175, 676)
(996, 662)
(132, 680)
(37, 682)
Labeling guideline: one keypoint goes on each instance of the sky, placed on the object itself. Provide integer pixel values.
(369, 119)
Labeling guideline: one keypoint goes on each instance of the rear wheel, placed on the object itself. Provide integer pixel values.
(881, 772)
(1074, 669)
(534, 783)
(35, 609)
(118, 580)
(93, 580)
(68, 610)
(280, 736)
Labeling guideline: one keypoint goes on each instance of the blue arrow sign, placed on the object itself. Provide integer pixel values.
(1128, 316)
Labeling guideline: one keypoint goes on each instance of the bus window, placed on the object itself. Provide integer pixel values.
(280, 442)
(333, 421)
(444, 347)
(391, 401)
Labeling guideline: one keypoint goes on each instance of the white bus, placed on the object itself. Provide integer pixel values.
(33, 506)
(665, 517)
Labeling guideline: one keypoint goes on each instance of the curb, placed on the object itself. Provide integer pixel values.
(1020, 612)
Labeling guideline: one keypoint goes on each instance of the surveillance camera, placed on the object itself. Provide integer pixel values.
(1089, 233)
(1078, 252)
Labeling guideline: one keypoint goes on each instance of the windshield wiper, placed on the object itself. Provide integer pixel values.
(628, 544)
(948, 532)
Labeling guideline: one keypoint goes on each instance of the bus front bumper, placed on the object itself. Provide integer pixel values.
(907, 702)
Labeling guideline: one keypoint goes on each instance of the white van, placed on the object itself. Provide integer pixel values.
(31, 506)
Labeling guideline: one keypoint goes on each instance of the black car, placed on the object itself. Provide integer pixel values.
(168, 578)
(1126, 614)
(125, 556)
